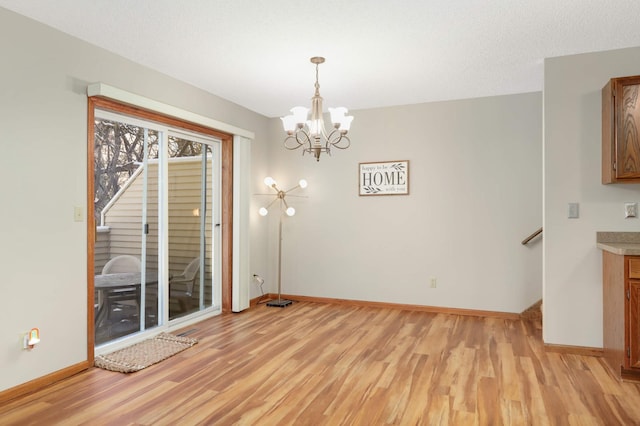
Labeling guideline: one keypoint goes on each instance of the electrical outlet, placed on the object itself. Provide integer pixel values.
(630, 210)
(574, 211)
(433, 282)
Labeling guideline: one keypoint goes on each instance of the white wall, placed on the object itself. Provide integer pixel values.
(43, 166)
(572, 155)
(475, 193)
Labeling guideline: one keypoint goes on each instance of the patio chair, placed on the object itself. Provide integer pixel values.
(188, 279)
(126, 296)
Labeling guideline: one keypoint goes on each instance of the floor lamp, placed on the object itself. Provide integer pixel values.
(289, 211)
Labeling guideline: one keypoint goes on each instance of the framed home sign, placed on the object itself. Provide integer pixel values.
(385, 178)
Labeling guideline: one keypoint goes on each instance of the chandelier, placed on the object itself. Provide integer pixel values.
(310, 134)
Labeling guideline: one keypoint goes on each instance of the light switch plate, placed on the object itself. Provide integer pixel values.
(77, 214)
(630, 210)
(574, 211)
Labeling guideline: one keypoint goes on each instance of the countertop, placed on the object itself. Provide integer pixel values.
(622, 243)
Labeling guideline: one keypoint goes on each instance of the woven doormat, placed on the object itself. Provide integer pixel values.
(143, 354)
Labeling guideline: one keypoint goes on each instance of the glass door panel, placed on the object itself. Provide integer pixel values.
(126, 249)
(193, 203)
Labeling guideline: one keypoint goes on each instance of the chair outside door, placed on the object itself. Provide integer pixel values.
(127, 296)
(186, 279)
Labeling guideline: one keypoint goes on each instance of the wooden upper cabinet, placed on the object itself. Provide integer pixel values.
(621, 130)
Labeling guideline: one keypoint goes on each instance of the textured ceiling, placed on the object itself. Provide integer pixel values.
(379, 53)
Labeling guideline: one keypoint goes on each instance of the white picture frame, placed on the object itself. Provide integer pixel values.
(383, 178)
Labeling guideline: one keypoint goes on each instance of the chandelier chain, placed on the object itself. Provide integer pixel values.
(317, 85)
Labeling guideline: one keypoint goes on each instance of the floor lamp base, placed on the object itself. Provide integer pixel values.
(279, 303)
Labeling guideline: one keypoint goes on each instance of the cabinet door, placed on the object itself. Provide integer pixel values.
(627, 128)
(634, 323)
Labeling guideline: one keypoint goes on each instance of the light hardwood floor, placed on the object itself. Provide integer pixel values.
(322, 364)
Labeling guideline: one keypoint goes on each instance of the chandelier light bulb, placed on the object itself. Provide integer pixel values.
(269, 181)
(289, 123)
(263, 211)
(291, 211)
(316, 127)
(337, 114)
(300, 114)
(303, 183)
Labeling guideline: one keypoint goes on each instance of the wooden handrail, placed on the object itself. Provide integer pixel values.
(531, 237)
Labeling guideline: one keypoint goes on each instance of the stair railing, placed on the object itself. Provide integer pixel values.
(531, 237)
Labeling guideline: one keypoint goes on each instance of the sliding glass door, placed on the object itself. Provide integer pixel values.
(157, 198)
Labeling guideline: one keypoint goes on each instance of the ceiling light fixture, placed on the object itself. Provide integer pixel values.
(310, 133)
